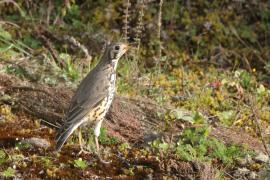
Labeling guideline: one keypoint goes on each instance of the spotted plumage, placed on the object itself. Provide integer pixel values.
(94, 95)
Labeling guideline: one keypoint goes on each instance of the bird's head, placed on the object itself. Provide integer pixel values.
(114, 51)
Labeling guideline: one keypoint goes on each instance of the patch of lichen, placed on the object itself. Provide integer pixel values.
(6, 113)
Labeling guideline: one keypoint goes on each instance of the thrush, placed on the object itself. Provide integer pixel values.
(93, 96)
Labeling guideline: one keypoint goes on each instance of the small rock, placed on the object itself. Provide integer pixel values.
(264, 173)
(261, 158)
(252, 175)
(243, 162)
(240, 172)
(38, 142)
(249, 159)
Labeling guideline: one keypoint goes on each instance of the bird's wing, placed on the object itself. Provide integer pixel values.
(89, 94)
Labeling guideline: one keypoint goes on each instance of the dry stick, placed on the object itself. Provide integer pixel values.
(44, 33)
(139, 26)
(77, 44)
(53, 52)
(10, 23)
(25, 71)
(260, 132)
(28, 88)
(125, 22)
(49, 10)
(159, 33)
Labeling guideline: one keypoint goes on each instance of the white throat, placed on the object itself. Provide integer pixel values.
(114, 63)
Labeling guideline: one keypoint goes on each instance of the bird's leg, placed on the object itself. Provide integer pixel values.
(81, 143)
(97, 144)
(97, 133)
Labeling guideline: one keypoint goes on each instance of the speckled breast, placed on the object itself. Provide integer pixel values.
(99, 112)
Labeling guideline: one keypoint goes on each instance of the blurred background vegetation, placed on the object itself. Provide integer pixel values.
(226, 34)
(210, 57)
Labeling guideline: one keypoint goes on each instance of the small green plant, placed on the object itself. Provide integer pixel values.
(160, 145)
(195, 144)
(224, 153)
(105, 139)
(3, 157)
(70, 69)
(79, 163)
(244, 78)
(227, 117)
(46, 162)
(9, 172)
(22, 145)
(123, 147)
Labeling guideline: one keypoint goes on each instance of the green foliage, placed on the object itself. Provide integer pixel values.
(160, 145)
(267, 67)
(105, 139)
(3, 157)
(46, 162)
(245, 79)
(180, 114)
(195, 144)
(81, 164)
(194, 35)
(227, 117)
(31, 41)
(9, 172)
(226, 154)
(10, 69)
(123, 147)
(70, 69)
(22, 145)
(5, 34)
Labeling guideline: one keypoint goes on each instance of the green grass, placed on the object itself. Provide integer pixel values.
(195, 144)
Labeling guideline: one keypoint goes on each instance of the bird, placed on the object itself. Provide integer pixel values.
(93, 97)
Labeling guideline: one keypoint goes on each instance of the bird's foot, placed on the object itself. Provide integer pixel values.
(101, 160)
(84, 151)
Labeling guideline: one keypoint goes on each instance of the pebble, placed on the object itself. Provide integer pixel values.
(252, 175)
(240, 172)
(38, 142)
(263, 158)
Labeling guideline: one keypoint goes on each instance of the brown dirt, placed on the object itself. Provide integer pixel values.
(129, 119)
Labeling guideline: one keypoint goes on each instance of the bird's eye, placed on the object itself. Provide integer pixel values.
(117, 48)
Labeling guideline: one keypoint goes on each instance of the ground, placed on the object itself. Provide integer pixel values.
(192, 98)
(138, 148)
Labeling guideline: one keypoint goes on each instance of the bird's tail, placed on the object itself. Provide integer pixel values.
(52, 124)
(64, 133)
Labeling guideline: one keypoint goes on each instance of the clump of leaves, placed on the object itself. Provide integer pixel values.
(22, 145)
(105, 139)
(46, 162)
(70, 69)
(226, 154)
(123, 147)
(79, 163)
(195, 143)
(227, 117)
(245, 79)
(160, 145)
(8, 173)
(3, 157)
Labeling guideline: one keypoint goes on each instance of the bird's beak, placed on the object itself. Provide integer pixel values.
(126, 47)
